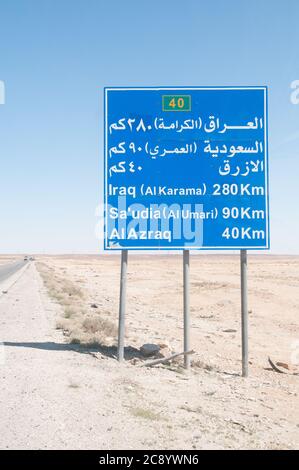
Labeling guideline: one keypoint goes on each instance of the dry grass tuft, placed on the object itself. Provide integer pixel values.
(145, 413)
(79, 323)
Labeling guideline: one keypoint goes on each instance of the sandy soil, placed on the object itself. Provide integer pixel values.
(54, 395)
(6, 259)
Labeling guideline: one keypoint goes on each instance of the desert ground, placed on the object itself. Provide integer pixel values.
(7, 259)
(62, 387)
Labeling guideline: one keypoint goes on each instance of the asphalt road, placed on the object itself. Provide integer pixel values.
(8, 269)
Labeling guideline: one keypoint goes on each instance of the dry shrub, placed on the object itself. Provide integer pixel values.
(96, 324)
(79, 324)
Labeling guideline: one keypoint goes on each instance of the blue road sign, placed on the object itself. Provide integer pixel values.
(186, 168)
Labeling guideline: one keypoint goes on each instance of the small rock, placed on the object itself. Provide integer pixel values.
(210, 393)
(164, 345)
(94, 306)
(149, 349)
(229, 330)
(165, 349)
(4, 292)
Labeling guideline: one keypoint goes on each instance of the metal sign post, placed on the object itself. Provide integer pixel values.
(122, 305)
(244, 312)
(186, 269)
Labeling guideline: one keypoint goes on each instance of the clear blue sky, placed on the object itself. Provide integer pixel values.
(57, 55)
